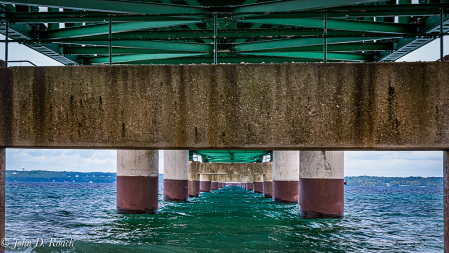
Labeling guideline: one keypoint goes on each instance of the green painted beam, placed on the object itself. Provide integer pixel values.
(207, 35)
(118, 50)
(110, 6)
(296, 43)
(343, 47)
(89, 16)
(297, 5)
(138, 57)
(173, 46)
(90, 30)
(230, 60)
(339, 24)
(319, 55)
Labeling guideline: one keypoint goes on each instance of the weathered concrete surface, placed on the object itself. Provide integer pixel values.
(229, 168)
(232, 178)
(311, 106)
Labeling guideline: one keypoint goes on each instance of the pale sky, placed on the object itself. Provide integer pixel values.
(357, 163)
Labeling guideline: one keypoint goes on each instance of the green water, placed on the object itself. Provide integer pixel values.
(227, 220)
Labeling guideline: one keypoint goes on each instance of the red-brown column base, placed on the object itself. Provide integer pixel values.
(249, 186)
(137, 195)
(205, 186)
(258, 187)
(214, 185)
(176, 190)
(221, 185)
(321, 198)
(267, 189)
(194, 188)
(285, 191)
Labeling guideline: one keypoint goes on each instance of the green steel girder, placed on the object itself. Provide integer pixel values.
(135, 57)
(229, 60)
(339, 12)
(169, 46)
(319, 55)
(345, 47)
(118, 50)
(208, 35)
(110, 6)
(282, 6)
(231, 156)
(90, 30)
(339, 24)
(287, 43)
(88, 16)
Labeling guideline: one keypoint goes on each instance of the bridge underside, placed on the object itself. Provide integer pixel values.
(380, 106)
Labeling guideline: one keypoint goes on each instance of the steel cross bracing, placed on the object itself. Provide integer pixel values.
(90, 32)
(250, 31)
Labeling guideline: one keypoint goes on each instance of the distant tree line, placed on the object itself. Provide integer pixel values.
(394, 181)
(60, 176)
(109, 177)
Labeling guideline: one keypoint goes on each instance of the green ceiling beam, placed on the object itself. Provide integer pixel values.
(139, 57)
(172, 46)
(319, 55)
(296, 43)
(105, 51)
(207, 35)
(110, 6)
(343, 47)
(231, 60)
(90, 30)
(88, 16)
(339, 24)
(297, 5)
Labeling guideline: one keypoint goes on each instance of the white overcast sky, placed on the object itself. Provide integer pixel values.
(357, 163)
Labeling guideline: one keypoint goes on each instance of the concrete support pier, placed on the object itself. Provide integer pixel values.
(194, 181)
(321, 184)
(205, 183)
(176, 175)
(214, 185)
(2, 195)
(258, 183)
(268, 180)
(137, 181)
(445, 193)
(285, 176)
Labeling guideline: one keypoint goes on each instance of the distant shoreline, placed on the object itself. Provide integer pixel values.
(111, 177)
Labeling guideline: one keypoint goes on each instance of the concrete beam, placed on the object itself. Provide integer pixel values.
(232, 178)
(229, 168)
(349, 106)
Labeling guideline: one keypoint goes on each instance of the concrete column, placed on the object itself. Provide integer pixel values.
(285, 176)
(137, 181)
(214, 185)
(258, 183)
(321, 184)
(446, 199)
(268, 180)
(205, 183)
(176, 175)
(194, 180)
(2, 195)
